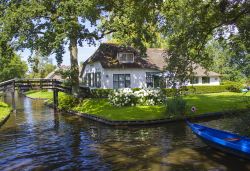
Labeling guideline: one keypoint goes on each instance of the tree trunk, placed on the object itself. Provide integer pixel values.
(74, 65)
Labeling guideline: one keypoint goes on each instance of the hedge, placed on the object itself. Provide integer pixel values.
(196, 90)
(100, 92)
(234, 87)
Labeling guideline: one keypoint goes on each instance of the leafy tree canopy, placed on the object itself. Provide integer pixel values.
(191, 25)
(14, 68)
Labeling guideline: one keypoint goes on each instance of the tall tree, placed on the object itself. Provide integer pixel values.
(191, 25)
(14, 68)
(50, 25)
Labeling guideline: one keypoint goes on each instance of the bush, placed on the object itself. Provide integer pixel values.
(176, 106)
(233, 86)
(67, 102)
(150, 97)
(128, 97)
(206, 89)
(122, 97)
(195, 90)
(100, 93)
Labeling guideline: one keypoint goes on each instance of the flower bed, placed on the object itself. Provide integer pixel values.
(128, 97)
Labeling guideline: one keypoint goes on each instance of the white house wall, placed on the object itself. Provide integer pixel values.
(213, 81)
(137, 76)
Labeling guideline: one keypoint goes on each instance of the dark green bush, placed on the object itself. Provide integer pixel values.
(233, 86)
(169, 92)
(67, 102)
(176, 106)
(100, 92)
(206, 89)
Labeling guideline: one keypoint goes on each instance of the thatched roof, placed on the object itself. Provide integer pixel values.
(157, 57)
(106, 54)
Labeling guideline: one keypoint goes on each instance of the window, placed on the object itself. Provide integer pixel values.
(98, 79)
(194, 80)
(149, 79)
(121, 80)
(126, 57)
(153, 79)
(93, 79)
(205, 80)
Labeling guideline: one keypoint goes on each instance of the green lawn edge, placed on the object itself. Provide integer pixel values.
(5, 110)
(38, 94)
(205, 103)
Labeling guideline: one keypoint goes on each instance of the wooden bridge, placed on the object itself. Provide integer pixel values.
(34, 84)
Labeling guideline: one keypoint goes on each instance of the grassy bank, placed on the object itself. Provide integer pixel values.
(205, 103)
(39, 94)
(4, 111)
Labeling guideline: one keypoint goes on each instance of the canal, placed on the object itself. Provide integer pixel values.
(37, 139)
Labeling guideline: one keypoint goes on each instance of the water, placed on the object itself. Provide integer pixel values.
(37, 139)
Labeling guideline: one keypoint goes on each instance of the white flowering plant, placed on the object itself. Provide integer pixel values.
(122, 97)
(150, 97)
(128, 97)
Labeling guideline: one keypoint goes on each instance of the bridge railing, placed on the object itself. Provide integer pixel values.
(27, 84)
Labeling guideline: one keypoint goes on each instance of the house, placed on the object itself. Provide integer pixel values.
(57, 73)
(114, 66)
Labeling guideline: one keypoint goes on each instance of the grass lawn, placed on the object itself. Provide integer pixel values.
(205, 103)
(4, 111)
(39, 94)
(216, 102)
(101, 107)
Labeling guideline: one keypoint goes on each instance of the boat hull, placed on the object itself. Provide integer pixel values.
(224, 149)
(223, 141)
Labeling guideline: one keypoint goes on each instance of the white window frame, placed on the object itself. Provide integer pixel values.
(120, 54)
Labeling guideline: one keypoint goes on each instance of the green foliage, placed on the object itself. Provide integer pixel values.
(176, 106)
(100, 93)
(4, 110)
(67, 102)
(13, 68)
(233, 86)
(169, 92)
(206, 89)
(189, 26)
(232, 63)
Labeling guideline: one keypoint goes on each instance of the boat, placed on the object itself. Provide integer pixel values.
(224, 141)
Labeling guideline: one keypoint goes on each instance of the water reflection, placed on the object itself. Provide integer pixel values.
(36, 138)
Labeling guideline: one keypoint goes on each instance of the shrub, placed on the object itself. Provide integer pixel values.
(233, 86)
(195, 90)
(122, 97)
(176, 106)
(100, 92)
(149, 97)
(129, 97)
(206, 89)
(67, 102)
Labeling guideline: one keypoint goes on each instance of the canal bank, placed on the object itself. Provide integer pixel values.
(5, 111)
(36, 138)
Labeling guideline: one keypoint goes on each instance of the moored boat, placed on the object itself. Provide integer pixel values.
(222, 140)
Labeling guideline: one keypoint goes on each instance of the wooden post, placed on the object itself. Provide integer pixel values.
(13, 97)
(55, 95)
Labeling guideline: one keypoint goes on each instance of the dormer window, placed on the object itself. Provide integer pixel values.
(126, 57)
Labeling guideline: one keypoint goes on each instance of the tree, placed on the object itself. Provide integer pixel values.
(40, 66)
(49, 25)
(190, 25)
(228, 61)
(15, 68)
